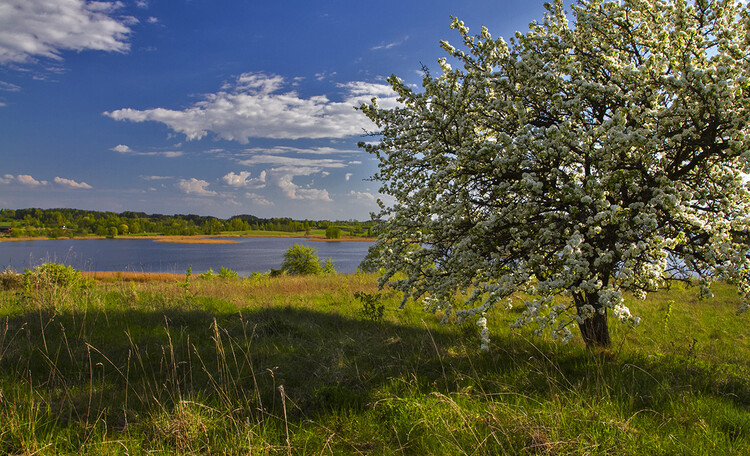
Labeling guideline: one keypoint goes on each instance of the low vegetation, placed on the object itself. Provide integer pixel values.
(327, 364)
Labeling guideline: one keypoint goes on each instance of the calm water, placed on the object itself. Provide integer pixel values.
(144, 255)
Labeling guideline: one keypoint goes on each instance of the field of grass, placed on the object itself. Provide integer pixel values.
(301, 365)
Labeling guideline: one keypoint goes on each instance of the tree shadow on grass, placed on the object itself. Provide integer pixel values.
(120, 366)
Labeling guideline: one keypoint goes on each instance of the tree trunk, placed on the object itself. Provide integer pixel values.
(594, 329)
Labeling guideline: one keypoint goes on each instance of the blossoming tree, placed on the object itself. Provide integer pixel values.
(573, 162)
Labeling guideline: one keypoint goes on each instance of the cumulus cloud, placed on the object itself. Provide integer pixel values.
(294, 191)
(363, 196)
(258, 199)
(254, 106)
(348, 176)
(195, 186)
(71, 183)
(243, 180)
(25, 179)
(122, 148)
(44, 28)
(126, 150)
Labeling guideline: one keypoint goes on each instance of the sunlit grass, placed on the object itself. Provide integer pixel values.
(283, 365)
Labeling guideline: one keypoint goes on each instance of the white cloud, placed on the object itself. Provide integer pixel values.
(348, 176)
(322, 76)
(122, 148)
(71, 183)
(195, 186)
(284, 169)
(6, 179)
(363, 196)
(389, 45)
(243, 180)
(281, 160)
(141, 3)
(294, 191)
(126, 150)
(149, 178)
(311, 194)
(45, 28)
(168, 154)
(258, 199)
(253, 106)
(152, 20)
(8, 87)
(311, 150)
(28, 180)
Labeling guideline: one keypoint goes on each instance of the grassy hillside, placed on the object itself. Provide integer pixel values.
(294, 365)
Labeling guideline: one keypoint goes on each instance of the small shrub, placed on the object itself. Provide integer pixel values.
(186, 283)
(328, 266)
(208, 275)
(226, 273)
(50, 275)
(372, 306)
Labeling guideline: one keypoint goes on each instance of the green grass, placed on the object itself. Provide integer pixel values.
(298, 365)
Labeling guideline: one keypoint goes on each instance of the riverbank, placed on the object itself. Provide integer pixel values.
(201, 238)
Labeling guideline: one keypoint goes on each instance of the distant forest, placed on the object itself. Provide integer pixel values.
(76, 222)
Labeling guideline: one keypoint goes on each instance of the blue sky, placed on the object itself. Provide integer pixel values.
(212, 107)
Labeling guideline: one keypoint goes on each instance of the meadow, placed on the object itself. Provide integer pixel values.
(329, 365)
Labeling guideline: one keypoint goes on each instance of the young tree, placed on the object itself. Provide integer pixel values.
(333, 232)
(303, 260)
(582, 159)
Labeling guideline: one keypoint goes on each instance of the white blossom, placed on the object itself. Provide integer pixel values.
(577, 161)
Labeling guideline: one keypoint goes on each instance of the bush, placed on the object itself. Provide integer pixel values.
(333, 232)
(303, 260)
(226, 273)
(50, 275)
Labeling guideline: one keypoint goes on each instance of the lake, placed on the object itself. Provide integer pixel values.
(248, 255)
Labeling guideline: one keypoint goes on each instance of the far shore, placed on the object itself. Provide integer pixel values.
(200, 238)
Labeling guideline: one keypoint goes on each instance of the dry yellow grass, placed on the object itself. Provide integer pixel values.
(125, 276)
(269, 290)
(192, 240)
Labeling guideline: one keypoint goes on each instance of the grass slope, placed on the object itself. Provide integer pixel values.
(299, 365)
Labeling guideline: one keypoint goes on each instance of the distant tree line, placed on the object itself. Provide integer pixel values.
(55, 223)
